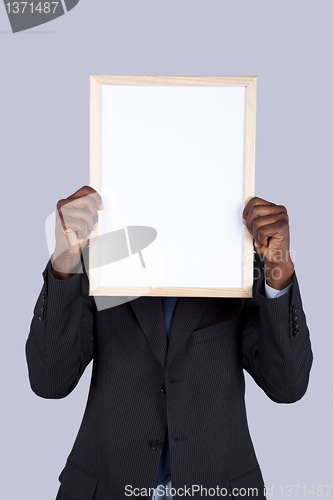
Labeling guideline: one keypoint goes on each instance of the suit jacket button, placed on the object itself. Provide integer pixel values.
(295, 325)
(294, 310)
(295, 332)
(40, 318)
(294, 317)
(155, 444)
(163, 388)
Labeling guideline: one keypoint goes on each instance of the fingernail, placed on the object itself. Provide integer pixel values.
(244, 221)
(95, 226)
(256, 244)
(250, 234)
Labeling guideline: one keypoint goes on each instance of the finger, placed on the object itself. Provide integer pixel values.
(253, 202)
(89, 191)
(277, 227)
(63, 226)
(78, 226)
(87, 203)
(260, 211)
(72, 238)
(70, 214)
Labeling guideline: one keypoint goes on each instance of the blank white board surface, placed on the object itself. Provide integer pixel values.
(173, 158)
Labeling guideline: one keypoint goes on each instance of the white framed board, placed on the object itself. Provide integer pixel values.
(173, 158)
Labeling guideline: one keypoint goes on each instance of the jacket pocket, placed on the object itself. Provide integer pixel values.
(248, 486)
(77, 482)
(211, 332)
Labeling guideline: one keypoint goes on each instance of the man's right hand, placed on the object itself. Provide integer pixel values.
(76, 218)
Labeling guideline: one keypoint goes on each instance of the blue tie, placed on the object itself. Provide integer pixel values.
(168, 304)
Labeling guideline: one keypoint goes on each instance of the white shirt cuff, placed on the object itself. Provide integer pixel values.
(273, 293)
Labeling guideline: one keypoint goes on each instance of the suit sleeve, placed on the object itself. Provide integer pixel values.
(276, 348)
(61, 339)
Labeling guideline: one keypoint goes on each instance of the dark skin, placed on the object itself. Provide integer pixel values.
(268, 225)
(77, 217)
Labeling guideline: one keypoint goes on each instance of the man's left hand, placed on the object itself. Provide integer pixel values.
(268, 225)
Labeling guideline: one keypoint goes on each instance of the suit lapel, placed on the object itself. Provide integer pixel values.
(149, 313)
(187, 313)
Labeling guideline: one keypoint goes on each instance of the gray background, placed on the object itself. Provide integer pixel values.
(45, 154)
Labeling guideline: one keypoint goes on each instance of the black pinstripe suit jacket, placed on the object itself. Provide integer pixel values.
(212, 340)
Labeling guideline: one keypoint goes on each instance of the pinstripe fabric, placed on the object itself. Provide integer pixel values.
(168, 305)
(211, 341)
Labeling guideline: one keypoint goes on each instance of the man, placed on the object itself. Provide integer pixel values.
(166, 402)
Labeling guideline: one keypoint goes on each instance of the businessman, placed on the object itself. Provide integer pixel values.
(165, 416)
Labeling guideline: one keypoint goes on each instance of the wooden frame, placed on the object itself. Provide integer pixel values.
(250, 82)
